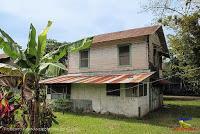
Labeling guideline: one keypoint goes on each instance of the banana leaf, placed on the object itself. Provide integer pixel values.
(54, 56)
(42, 41)
(70, 47)
(9, 70)
(31, 47)
(51, 69)
(8, 45)
(80, 44)
(10, 81)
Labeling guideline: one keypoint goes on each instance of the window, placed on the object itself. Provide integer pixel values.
(141, 89)
(48, 90)
(69, 88)
(131, 89)
(145, 89)
(56, 88)
(124, 55)
(84, 58)
(154, 55)
(113, 89)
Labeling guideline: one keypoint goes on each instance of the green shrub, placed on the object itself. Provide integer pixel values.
(62, 105)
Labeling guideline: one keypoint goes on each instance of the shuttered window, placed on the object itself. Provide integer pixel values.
(84, 58)
(124, 55)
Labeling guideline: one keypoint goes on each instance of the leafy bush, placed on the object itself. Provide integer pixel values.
(62, 105)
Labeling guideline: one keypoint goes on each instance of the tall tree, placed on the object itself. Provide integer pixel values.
(182, 18)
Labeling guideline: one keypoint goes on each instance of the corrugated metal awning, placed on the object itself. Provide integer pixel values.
(98, 79)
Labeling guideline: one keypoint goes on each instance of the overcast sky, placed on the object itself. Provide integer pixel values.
(72, 19)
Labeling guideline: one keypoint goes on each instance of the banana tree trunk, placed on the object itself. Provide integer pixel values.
(36, 109)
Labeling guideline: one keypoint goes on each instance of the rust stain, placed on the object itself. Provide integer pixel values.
(99, 79)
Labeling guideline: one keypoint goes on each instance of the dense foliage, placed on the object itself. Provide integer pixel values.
(185, 45)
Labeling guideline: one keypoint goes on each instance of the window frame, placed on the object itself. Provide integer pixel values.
(130, 53)
(141, 87)
(135, 86)
(84, 58)
(145, 91)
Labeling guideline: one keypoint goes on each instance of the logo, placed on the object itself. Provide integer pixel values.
(184, 126)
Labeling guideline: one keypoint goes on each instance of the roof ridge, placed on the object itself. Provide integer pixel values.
(138, 28)
(130, 33)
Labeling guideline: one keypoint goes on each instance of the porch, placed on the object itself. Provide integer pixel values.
(125, 94)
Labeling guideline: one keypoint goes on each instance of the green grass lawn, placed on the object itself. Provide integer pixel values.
(162, 121)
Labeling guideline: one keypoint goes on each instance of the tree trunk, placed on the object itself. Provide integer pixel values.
(36, 108)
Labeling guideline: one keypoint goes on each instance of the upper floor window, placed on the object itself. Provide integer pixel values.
(124, 55)
(84, 58)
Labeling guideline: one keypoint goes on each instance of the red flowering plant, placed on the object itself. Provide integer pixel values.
(8, 106)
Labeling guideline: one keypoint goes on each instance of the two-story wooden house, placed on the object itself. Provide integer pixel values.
(115, 74)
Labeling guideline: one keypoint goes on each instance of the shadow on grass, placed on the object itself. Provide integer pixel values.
(169, 114)
(166, 116)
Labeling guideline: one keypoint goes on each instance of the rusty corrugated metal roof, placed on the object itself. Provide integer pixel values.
(137, 32)
(98, 79)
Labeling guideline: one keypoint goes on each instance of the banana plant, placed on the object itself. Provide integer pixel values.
(33, 64)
